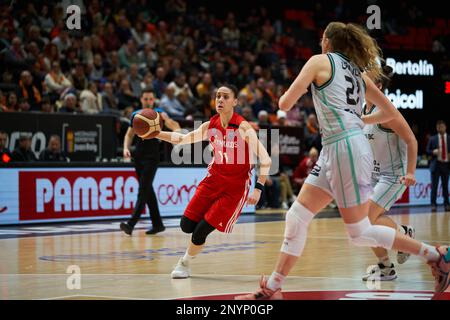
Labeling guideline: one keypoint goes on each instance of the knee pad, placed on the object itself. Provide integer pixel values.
(298, 219)
(187, 225)
(364, 234)
(200, 233)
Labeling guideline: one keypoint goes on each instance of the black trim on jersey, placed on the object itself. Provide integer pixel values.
(378, 125)
(323, 86)
(385, 129)
(233, 125)
(365, 112)
(343, 56)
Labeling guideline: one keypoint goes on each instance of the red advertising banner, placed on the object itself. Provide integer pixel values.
(76, 194)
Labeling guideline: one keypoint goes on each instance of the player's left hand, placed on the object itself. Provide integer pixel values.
(408, 180)
(254, 198)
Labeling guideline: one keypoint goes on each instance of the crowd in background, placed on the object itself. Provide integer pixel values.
(184, 50)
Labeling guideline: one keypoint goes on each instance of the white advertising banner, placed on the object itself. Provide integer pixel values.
(76, 194)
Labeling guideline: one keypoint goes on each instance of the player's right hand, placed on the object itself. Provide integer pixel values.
(126, 153)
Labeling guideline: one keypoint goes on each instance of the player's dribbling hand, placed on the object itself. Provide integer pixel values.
(408, 180)
(254, 198)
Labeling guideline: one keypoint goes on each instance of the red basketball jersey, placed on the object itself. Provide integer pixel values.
(231, 155)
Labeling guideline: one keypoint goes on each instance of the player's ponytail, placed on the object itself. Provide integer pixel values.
(353, 41)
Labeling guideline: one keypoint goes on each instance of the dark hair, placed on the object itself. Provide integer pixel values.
(440, 122)
(385, 78)
(232, 87)
(147, 90)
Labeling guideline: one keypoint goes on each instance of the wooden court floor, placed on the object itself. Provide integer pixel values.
(112, 265)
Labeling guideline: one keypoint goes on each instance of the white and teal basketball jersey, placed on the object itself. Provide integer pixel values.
(339, 101)
(389, 151)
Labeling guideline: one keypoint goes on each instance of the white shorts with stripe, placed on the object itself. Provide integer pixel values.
(344, 168)
(387, 190)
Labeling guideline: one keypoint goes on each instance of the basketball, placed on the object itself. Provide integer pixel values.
(147, 123)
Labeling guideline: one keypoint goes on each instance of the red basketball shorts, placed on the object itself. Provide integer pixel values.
(219, 201)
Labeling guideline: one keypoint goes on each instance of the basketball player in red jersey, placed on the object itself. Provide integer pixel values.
(220, 196)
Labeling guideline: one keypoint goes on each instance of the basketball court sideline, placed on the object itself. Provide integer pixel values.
(96, 260)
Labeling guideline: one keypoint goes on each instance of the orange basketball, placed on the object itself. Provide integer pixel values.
(147, 123)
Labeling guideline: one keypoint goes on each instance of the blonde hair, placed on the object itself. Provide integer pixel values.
(353, 41)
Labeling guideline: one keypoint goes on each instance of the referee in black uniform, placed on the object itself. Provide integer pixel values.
(146, 160)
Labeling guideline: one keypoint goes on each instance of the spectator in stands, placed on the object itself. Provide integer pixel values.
(312, 134)
(180, 85)
(78, 77)
(126, 97)
(24, 106)
(2, 101)
(263, 118)
(87, 56)
(70, 104)
(140, 35)
(128, 54)
(62, 41)
(56, 81)
(98, 68)
(47, 105)
(51, 55)
(91, 100)
(53, 152)
(110, 102)
(148, 56)
(159, 84)
(205, 87)
(12, 104)
(147, 81)
(171, 105)
(304, 167)
(28, 91)
(5, 155)
(17, 51)
(247, 113)
(45, 20)
(134, 79)
(231, 34)
(438, 149)
(282, 120)
(110, 38)
(23, 152)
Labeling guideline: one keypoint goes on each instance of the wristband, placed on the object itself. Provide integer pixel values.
(259, 186)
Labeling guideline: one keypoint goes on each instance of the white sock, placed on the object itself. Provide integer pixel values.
(275, 281)
(429, 253)
(187, 257)
(385, 261)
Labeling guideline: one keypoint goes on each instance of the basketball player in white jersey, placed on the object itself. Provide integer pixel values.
(343, 171)
(394, 156)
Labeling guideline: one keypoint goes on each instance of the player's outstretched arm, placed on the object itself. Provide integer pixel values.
(299, 87)
(387, 110)
(197, 135)
(170, 123)
(257, 149)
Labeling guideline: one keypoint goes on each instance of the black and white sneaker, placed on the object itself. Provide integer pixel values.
(403, 256)
(380, 272)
